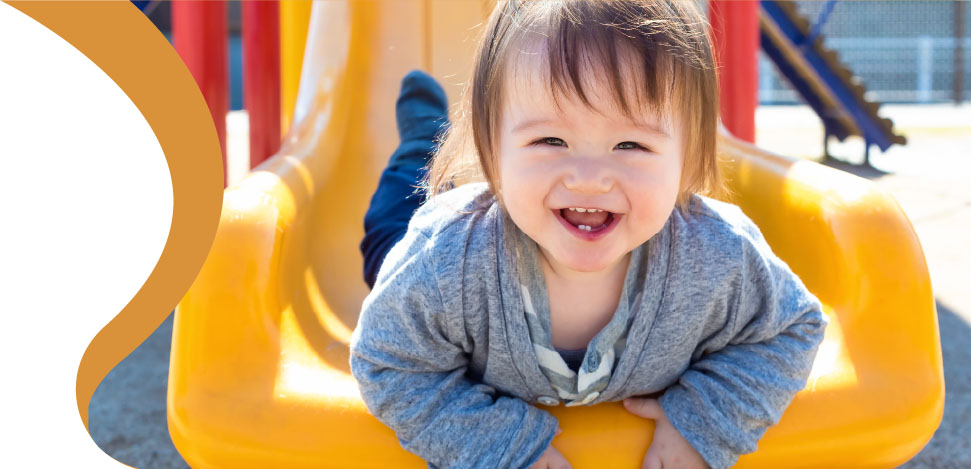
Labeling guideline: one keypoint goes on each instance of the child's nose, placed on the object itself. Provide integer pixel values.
(588, 175)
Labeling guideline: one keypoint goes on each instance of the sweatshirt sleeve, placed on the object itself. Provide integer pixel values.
(724, 402)
(410, 366)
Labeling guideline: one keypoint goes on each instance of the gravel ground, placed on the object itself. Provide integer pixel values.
(928, 177)
(127, 412)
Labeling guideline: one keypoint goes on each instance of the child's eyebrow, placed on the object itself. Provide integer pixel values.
(640, 125)
(526, 124)
(651, 128)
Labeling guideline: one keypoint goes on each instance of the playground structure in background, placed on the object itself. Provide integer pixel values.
(822, 81)
(259, 367)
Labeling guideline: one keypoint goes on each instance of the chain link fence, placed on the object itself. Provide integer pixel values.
(904, 51)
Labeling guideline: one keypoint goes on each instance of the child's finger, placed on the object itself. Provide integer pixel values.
(557, 461)
(558, 431)
(652, 461)
(644, 407)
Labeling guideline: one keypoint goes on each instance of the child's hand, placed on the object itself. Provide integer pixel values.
(669, 449)
(551, 458)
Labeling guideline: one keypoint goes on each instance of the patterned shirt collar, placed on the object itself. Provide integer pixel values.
(585, 385)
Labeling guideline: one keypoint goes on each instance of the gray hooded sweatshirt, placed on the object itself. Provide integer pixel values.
(720, 327)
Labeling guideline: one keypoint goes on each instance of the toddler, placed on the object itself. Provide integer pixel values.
(585, 265)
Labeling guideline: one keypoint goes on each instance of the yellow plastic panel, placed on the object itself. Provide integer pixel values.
(259, 369)
(294, 22)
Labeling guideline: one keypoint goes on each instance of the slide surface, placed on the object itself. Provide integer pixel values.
(259, 371)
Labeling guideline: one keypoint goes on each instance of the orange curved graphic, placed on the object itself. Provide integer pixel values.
(130, 50)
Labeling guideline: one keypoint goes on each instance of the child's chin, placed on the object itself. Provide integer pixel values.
(581, 263)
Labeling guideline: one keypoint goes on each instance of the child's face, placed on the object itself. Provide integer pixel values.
(553, 159)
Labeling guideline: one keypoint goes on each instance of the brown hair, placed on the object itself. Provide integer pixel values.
(583, 36)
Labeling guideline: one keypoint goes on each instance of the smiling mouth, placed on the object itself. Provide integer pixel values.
(588, 226)
(591, 221)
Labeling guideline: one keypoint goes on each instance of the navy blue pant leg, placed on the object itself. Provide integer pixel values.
(422, 114)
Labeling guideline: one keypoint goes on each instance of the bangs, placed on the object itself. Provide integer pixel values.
(577, 47)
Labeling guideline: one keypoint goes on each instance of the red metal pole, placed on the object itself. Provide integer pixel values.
(199, 32)
(261, 77)
(735, 30)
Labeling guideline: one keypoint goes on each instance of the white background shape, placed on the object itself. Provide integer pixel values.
(85, 210)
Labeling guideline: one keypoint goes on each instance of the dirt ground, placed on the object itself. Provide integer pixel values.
(928, 177)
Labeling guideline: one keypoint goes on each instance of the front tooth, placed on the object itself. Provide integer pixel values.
(573, 209)
(599, 210)
(581, 210)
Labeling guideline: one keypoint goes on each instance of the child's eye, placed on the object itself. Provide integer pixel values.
(630, 146)
(553, 141)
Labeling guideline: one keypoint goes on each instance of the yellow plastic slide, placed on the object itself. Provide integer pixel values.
(259, 368)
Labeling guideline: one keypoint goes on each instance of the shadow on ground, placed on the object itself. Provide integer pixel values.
(126, 415)
(863, 171)
(127, 412)
(951, 445)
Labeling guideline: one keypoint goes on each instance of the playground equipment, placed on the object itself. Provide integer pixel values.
(259, 371)
(199, 32)
(824, 83)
